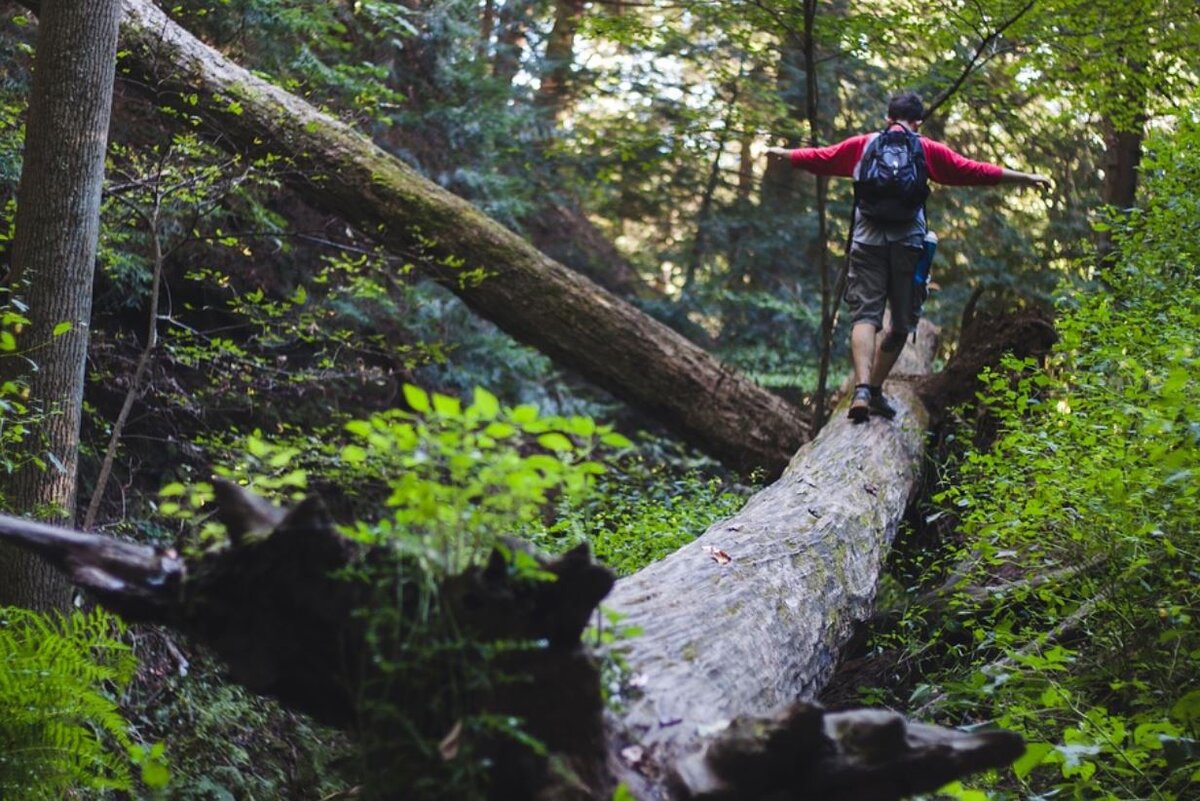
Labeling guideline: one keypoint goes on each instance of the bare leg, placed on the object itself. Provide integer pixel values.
(884, 360)
(862, 351)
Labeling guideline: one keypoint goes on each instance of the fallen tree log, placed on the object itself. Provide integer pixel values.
(775, 591)
(538, 301)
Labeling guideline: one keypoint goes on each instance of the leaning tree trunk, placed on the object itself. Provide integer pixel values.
(738, 628)
(500, 275)
(54, 253)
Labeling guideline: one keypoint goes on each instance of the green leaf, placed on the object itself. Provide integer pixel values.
(359, 428)
(7, 341)
(500, 430)
(155, 773)
(583, 426)
(417, 398)
(615, 440)
(623, 793)
(61, 328)
(1035, 754)
(555, 442)
(171, 490)
(447, 406)
(354, 454)
(525, 413)
(485, 404)
(256, 447)
(1187, 708)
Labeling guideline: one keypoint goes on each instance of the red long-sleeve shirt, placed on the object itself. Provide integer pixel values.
(944, 165)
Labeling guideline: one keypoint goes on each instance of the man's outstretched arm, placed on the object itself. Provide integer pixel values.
(839, 159)
(953, 169)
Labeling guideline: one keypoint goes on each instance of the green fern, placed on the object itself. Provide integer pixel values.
(59, 724)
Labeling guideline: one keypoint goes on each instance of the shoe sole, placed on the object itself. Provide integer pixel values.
(859, 414)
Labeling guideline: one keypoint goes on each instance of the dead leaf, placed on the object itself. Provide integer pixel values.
(871, 489)
(633, 754)
(718, 556)
(639, 681)
(448, 747)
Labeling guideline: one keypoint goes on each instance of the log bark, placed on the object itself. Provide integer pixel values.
(531, 297)
(775, 590)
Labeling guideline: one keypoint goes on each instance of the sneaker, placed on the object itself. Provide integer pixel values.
(879, 405)
(860, 404)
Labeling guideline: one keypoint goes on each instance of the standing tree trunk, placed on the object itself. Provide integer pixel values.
(54, 251)
(1122, 154)
(531, 297)
(556, 89)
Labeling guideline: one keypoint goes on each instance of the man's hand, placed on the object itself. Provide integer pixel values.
(778, 153)
(1038, 180)
(1026, 178)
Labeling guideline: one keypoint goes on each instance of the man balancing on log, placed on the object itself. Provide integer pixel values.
(891, 171)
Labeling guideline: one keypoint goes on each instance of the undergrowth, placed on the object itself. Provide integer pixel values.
(1072, 617)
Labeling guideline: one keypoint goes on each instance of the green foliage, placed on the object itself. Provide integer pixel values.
(1080, 521)
(59, 723)
(637, 516)
(226, 743)
(461, 475)
(457, 477)
(453, 478)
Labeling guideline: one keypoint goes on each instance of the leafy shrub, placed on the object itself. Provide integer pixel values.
(445, 481)
(635, 517)
(1079, 525)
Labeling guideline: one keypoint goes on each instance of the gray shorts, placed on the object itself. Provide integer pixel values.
(880, 274)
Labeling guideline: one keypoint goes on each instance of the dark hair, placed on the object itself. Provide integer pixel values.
(907, 107)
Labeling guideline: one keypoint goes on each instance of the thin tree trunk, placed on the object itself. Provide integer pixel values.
(828, 301)
(53, 258)
(487, 22)
(500, 275)
(556, 89)
(699, 244)
(1122, 154)
(139, 372)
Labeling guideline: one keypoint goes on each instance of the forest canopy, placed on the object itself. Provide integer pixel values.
(546, 289)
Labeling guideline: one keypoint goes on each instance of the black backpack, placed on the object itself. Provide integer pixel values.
(893, 181)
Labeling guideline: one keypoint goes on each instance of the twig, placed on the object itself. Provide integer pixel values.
(139, 373)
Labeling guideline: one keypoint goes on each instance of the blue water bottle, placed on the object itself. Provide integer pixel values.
(921, 271)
